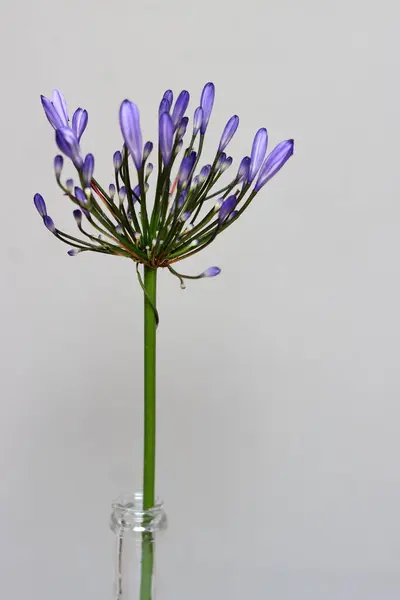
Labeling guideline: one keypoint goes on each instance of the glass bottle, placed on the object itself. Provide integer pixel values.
(135, 531)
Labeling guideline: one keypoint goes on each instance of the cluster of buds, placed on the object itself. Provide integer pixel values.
(184, 211)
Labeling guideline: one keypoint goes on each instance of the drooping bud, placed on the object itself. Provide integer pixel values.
(40, 205)
(211, 272)
(117, 160)
(74, 251)
(130, 126)
(58, 165)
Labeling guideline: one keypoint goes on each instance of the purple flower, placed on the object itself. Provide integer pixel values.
(226, 209)
(79, 122)
(229, 132)
(58, 165)
(186, 168)
(40, 205)
(165, 137)
(243, 168)
(80, 195)
(87, 170)
(56, 109)
(197, 120)
(78, 216)
(274, 162)
(147, 150)
(130, 127)
(69, 145)
(48, 221)
(117, 160)
(211, 272)
(257, 153)
(206, 102)
(180, 107)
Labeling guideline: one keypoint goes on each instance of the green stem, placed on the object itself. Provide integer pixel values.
(149, 454)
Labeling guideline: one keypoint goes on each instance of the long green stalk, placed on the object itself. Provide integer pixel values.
(149, 450)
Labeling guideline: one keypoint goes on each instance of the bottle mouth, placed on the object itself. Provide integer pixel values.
(128, 515)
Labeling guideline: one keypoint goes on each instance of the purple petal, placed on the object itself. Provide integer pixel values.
(40, 205)
(186, 168)
(58, 165)
(168, 96)
(274, 162)
(51, 113)
(87, 170)
(229, 132)
(180, 107)
(79, 122)
(226, 209)
(60, 105)
(80, 195)
(117, 160)
(243, 168)
(147, 150)
(197, 120)
(211, 272)
(258, 151)
(182, 128)
(130, 126)
(77, 216)
(165, 137)
(48, 221)
(69, 145)
(207, 101)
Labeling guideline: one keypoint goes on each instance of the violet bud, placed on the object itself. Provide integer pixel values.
(258, 151)
(77, 216)
(69, 184)
(164, 107)
(111, 190)
(178, 147)
(220, 161)
(226, 209)
(186, 168)
(197, 120)
(148, 147)
(58, 165)
(40, 205)
(80, 195)
(130, 126)
(274, 162)
(211, 272)
(228, 133)
(122, 194)
(204, 173)
(226, 164)
(243, 168)
(168, 96)
(165, 137)
(149, 169)
(206, 102)
(117, 160)
(87, 170)
(232, 215)
(182, 128)
(68, 143)
(79, 122)
(180, 107)
(51, 113)
(74, 251)
(48, 221)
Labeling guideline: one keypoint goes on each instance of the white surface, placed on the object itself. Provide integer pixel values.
(278, 381)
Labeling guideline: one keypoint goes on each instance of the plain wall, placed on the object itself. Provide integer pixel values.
(279, 414)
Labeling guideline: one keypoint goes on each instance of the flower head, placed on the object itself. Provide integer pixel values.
(185, 209)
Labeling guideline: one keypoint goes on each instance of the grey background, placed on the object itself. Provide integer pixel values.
(278, 454)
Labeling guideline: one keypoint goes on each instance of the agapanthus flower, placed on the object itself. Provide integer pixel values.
(157, 217)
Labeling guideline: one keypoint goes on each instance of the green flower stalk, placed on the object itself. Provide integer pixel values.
(156, 217)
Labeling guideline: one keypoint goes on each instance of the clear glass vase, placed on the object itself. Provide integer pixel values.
(136, 531)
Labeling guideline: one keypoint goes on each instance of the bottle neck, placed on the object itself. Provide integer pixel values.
(128, 516)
